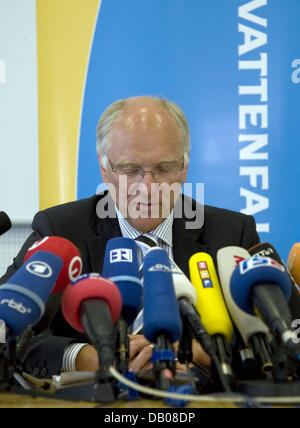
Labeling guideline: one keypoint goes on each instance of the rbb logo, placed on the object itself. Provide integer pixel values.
(40, 269)
(2, 332)
(257, 262)
(19, 307)
(121, 255)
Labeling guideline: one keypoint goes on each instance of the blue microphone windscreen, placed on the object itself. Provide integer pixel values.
(121, 266)
(121, 256)
(161, 311)
(257, 270)
(23, 297)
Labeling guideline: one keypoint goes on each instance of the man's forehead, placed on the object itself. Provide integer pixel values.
(145, 131)
(145, 113)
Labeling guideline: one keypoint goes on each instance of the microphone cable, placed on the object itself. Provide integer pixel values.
(211, 398)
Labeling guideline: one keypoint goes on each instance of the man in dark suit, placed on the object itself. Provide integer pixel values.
(142, 143)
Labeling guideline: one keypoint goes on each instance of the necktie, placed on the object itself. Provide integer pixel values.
(148, 239)
(144, 242)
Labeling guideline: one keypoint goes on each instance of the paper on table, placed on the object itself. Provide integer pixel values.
(69, 379)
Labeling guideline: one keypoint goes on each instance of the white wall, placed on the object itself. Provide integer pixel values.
(19, 182)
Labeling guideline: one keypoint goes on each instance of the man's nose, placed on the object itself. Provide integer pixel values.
(148, 178)
(148, 186)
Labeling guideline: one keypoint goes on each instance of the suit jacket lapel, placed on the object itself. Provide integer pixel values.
(186, 241)
(106, 229)
(183, 249)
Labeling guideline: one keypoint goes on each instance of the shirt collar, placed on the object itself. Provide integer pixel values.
(164, 231)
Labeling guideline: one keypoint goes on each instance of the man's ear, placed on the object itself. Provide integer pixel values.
(102, 170)
(185, 171)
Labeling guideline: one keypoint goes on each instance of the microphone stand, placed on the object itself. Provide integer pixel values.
(10, 367)
(280, 360)
(278, 383)
(163, 359)
(185, 351)
(106, 388)
(7, 363)
(96, 320)
(260, 347)
(23, 344)
(122, 351)
(222, 363)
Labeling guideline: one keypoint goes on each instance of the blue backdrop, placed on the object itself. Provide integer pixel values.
(232, 67)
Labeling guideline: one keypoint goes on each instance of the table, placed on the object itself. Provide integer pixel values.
(11, 400)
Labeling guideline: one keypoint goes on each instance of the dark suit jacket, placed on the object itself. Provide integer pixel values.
(79, 223)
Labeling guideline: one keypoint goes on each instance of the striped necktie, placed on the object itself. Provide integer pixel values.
(144, 242)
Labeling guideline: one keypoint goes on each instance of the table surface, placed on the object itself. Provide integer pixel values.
(74, 398)
(11, 400)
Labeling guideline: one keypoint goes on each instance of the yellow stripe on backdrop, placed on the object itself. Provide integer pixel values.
(65, 30)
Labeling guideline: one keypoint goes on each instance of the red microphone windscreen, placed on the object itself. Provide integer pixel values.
(67, 251)
(90, 287)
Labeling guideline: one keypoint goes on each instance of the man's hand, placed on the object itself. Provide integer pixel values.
(141, 351)
(200, 357)
(139, 359)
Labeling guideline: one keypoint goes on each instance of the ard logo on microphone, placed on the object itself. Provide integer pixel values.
(40, 269)
(121, 255)
(2, 332)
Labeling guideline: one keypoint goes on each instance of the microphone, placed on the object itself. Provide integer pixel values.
(267, 250)
(162, 323)
(121, 267)
(212, 309)
(72, 268)
(5, 223)
(23, 297)
(253, 330)
(92, 305)
(265, 291)
(187, 298)
(67, 251)
(294, 264)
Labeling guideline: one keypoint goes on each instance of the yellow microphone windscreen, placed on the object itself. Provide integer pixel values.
(210, 303)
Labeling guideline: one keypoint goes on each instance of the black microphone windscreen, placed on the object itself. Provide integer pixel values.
(5, 223)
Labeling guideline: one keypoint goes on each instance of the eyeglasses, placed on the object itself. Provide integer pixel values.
(164, 172)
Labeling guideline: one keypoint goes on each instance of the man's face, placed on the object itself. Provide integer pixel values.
(145, 137)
